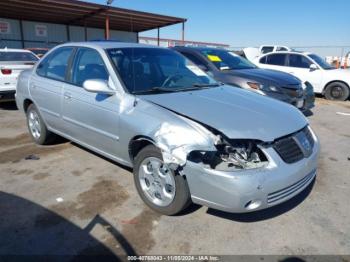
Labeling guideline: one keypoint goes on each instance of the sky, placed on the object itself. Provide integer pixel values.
(253, 22)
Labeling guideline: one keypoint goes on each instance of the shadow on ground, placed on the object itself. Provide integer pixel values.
(266, 213)
(27, 228)
(10, 106)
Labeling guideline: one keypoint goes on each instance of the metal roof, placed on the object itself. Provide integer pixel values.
(74, 12)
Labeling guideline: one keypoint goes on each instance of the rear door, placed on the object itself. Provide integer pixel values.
(46, 85)
(90, 118)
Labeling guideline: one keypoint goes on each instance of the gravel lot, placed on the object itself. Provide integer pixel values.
(71, 201)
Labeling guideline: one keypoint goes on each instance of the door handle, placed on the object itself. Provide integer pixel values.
(67, 96)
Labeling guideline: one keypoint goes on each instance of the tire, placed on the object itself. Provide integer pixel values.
(37, 128)
(171, 194)
(337, 91)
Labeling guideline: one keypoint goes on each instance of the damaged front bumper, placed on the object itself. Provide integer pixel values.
(249, 190)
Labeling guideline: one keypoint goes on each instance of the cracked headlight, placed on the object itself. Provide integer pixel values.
(235, 155)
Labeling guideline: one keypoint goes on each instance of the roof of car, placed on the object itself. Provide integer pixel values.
(199, 48)
(108, 44)
(14, 50)
(288, 52)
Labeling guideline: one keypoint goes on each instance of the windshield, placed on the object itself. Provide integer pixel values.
(148, 70)
(18, 56)
(321, 62)
(225, 60)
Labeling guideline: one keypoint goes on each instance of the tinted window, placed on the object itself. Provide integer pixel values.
(281, 49)
(145, 69)
(88, 65)
(267, 49)
(194, 59)
(55, 65)
(276, 59)
(18, 56)
(262, 60)
(225, 60)
(299, 61)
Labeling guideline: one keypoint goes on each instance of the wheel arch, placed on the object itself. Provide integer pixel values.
(26, 103)
(137, 143)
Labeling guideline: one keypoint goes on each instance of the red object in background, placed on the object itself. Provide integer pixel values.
(6, 71)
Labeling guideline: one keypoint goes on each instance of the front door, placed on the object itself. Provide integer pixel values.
(90, 118)
(299, 65)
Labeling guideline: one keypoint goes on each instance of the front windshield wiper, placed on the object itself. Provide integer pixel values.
(160, 89)
(207, 85)
(155, 89)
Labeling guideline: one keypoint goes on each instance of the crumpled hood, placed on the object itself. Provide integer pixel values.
(235, 112)
(267, 76)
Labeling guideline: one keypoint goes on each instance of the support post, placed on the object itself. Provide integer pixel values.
(21, 32)
(158, 40)
(107, 33)
(183, 33)
(68, 33)
(85, 31)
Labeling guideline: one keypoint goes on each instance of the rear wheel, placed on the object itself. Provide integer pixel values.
(161, 188)
(37, 128)
(337, 91)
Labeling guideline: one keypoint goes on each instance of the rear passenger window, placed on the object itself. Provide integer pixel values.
(55, 65)
(88, 65)
(276, 59)
(262, 60)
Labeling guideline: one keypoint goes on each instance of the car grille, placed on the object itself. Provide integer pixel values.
(285, 192)
(290, 150)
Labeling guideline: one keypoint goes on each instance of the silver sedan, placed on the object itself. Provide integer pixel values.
(187, 137)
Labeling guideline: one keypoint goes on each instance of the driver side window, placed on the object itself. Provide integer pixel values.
(299, 61)
(88, 65)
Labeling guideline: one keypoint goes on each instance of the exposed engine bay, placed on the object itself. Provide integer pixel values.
(231, 155)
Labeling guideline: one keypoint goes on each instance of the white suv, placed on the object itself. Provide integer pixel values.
(310, 68)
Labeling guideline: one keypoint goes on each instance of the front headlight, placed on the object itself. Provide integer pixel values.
(261, 87)
(236, 155)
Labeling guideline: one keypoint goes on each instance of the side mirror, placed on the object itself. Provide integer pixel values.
(98, 86)
(313, 67)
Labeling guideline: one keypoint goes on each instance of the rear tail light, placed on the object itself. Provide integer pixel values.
(6, 71)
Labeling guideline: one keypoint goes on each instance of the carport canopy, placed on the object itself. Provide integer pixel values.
(74, 12)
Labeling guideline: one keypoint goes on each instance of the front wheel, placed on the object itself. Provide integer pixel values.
(337, 91)
(161, 188)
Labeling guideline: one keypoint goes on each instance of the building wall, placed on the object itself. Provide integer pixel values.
(38, 34)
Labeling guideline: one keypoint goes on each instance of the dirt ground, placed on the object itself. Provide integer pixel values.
(72, 202)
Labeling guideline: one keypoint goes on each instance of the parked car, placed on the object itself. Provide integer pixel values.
(232, 69)
(39, 51)
(12, 62)
(310, 68)
(186, 136)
